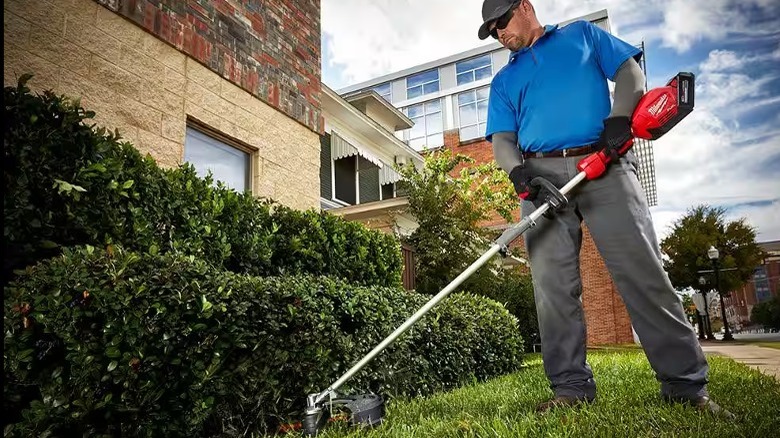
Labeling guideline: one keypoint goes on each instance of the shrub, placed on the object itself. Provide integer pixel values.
(515, 291)
(69, 183)
(767, 313)
(109, 341)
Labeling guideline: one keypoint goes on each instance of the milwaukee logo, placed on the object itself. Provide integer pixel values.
(659, 105)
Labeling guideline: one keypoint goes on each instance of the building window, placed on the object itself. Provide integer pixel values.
(385, 90)
(472, 112)
(427, 129)
(217, 154)
(345, 174)
(388, 191)
(474, 69)
(422, 83)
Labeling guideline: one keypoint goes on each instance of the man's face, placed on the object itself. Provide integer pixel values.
(517, 26)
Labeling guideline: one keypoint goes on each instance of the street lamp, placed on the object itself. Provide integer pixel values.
(714, 255)
(707, 328)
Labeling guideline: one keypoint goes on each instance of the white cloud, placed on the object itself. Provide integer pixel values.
(719, 90)
(721, 60)
(765, 219)
(373, 38)
(729, 60)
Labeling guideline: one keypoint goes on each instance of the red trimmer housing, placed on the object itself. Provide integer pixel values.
(658, 111)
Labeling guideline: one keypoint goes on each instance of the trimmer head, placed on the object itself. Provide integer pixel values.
(363, 410)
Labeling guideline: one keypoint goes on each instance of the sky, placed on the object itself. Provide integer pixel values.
(726, 153)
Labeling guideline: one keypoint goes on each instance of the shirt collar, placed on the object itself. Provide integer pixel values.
(548, 29)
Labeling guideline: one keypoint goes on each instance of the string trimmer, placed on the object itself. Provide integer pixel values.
(656, 113)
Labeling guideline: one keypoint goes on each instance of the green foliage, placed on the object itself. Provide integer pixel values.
(693, 234)
(116, 342)
(688, 307)
(451, 197)
(69, 183)
(767, 313)
(515, 291)
(449, 211)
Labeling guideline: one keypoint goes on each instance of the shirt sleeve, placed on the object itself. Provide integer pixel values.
(501, 114)
(611, 51)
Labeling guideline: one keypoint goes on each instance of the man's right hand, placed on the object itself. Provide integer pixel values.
(522, 182)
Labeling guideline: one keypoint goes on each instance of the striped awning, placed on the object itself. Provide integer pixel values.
(388, 175)
(340, 148)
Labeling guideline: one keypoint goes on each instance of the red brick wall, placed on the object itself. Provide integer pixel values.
(605, 314)
(742, 300)
(270, 48)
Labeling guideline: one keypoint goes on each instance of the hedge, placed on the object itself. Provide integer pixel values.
(67, 183)
(117, 342)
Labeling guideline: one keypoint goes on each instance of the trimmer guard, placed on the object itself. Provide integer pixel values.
(364, 410)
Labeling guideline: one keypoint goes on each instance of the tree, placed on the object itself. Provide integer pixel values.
(686, 250)
(450, 196)
(688, 306)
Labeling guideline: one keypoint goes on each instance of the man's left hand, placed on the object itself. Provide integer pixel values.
(617, 131)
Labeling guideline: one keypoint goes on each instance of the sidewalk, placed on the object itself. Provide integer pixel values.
(766, 360)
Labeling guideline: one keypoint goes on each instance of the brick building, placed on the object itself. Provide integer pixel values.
(762, 287)
(232, 87)
(447, 101)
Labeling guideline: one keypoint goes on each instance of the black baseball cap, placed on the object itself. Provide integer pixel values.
(492, 10)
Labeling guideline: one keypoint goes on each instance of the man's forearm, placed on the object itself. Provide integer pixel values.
(505, 151)
(629, 88)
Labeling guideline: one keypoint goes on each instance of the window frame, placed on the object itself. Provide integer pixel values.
(425, 116)
(389, 96)
(382, 192)
(475, 103)
(422, 85)
(207, 130)
(356, 182)
(473, 71)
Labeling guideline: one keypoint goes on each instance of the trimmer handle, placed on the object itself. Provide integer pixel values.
(595, 164)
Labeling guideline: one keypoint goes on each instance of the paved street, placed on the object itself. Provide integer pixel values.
(767, 360)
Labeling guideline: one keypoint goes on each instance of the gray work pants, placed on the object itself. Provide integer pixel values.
(615, 211)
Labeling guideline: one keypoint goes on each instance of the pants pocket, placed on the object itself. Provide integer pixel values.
(630, 163)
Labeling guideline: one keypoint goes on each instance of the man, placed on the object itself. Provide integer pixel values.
(548, 107)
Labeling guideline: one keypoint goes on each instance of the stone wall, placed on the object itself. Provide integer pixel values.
(270, 48)
(148, 89)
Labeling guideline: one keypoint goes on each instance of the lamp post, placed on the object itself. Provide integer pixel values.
(707, 328)
(714, 255)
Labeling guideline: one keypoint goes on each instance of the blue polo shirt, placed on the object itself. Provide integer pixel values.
(554, 95)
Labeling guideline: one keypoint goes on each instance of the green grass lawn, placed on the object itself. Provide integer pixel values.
(628, 405)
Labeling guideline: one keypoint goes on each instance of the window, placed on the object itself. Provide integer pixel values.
(427, 129)
(227, 163)
(345, 174)
(422, 83)
(385, 90)
(474, 69)
(388, 191)
(472, 111)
